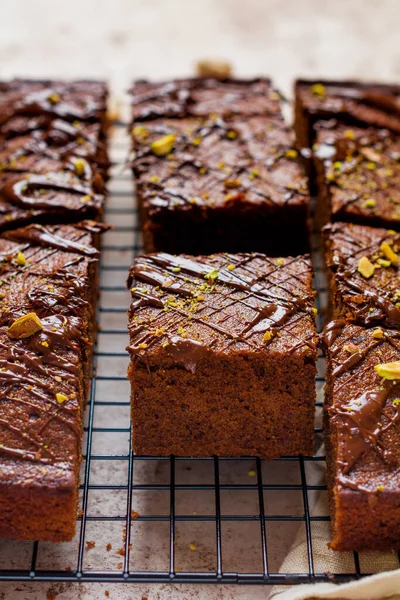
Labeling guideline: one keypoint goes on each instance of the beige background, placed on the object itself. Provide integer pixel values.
(126, 39)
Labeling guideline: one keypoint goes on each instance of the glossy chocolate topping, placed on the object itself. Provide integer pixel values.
(364, 409)
(70, 101)
(202, 97)
(187, 307)
(374, 300)
(351, 102)
(60, 141)
(52, 151)
(45, 271)
(361, 168)
(215, 163)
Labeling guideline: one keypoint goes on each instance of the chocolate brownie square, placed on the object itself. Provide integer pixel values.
(48, 298)
(223, 354)
(344, 102)
(211, 185)
(363, 273)
(358, 176)
(362, 416)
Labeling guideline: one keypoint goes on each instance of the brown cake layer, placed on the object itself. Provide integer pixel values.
(47, 300)
(363, 272)
(223, 354)
(220, 184)
(358, 176)
(202, 97)
(362, 415)
(53, 154)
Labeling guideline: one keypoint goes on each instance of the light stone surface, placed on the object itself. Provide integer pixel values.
(125, 39)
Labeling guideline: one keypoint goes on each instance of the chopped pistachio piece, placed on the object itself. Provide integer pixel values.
(79, 166)
(370, 203)
(351, 348)
(365, 267)
(212, 275)
(20, 259)
(163, 145)
(389, 253)
(377, 334)
(25, 326)
(318, 89)
(54, 98)
(389, 370)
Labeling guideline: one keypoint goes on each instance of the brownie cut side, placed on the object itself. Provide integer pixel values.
(220, 184)
(362, 412)
(48, 297)
(223, 354)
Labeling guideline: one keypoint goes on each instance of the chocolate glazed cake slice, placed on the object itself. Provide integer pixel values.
(48, 295)
(223, 355)
(358, 176)
(363, 274)
(216, 170)
(348, 103)
(53, 154)
(362, 417)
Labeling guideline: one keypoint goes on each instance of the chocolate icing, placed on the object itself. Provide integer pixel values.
(260, 168)
(52, 155)
(201, 97)
(357, 165)
(350, 102)
(38, 234)
(33, 369)
(362, 426)
(371, 301)
(363, 413)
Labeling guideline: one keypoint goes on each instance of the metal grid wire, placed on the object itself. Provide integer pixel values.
(158, 519)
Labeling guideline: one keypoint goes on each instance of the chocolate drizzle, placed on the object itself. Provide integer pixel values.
(362, 426)
(260, 167)
(36, 425)
(201, 97)
(38, 234)
(53, 157)
(370, 301)
(357, 165)
(363, 410)
(353, 103)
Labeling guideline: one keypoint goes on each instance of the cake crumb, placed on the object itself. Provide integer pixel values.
(90, 544)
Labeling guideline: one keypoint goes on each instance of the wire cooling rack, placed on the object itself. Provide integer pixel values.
(158, 519)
